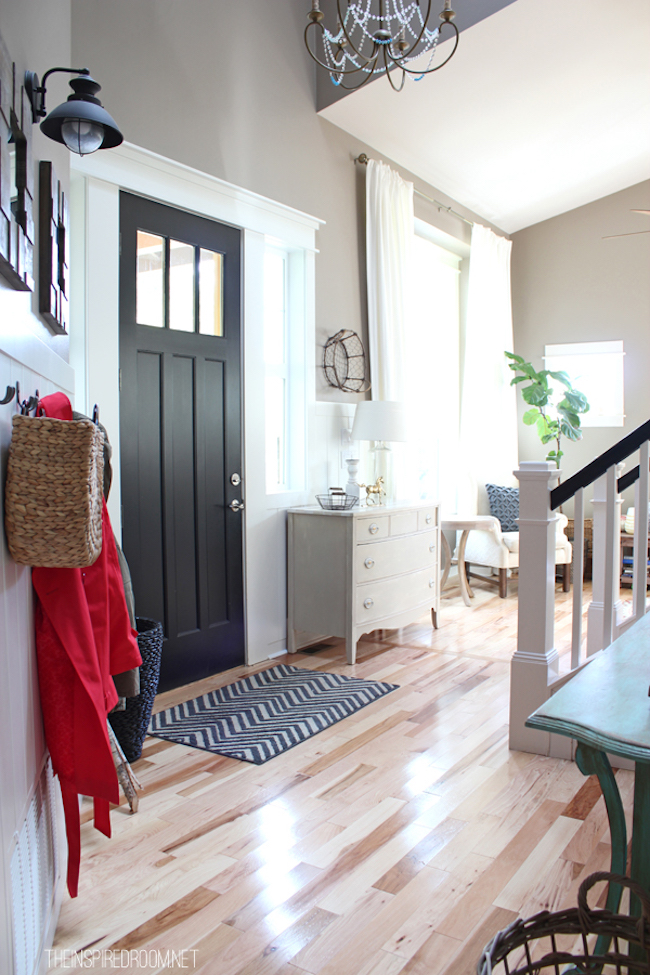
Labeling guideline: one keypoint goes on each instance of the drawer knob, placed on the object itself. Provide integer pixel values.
(368, 602)
(432, 583)
(373, 529)
(369, 563)
(432, 548)
(428, 519)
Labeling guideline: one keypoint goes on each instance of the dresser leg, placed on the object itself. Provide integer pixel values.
(291, 639)
(434, 619)
(351, 649)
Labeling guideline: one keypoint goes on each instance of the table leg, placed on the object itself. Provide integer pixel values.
(462, 578)
(447, 553)
(640, 863)
(591, 761)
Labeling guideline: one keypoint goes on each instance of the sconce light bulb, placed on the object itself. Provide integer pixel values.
(81, 136)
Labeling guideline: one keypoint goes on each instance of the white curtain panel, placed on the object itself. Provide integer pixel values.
(389, 235)
(488, 427)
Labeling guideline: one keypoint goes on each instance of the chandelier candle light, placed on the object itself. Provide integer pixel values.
(374, 37)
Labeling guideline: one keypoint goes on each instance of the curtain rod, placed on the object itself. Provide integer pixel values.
(364, 160)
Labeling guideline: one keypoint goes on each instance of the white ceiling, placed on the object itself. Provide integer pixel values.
(543, 108)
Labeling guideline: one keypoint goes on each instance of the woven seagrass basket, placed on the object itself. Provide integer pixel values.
(53, 492)
(577, 941)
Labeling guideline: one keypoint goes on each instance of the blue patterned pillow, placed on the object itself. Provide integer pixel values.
(504, 505)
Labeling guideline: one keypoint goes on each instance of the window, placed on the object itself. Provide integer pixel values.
(284, 365)
(433, 371)
(595, 369)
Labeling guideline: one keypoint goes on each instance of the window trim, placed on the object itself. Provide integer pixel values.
(294, 372)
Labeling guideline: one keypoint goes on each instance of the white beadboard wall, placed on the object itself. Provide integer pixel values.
(24, 358)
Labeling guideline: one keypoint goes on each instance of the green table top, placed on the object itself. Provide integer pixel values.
(606, 705)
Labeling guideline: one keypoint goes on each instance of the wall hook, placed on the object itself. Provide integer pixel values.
(9, 395)
(30, 404)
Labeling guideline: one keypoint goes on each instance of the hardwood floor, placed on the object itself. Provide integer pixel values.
(398, 841)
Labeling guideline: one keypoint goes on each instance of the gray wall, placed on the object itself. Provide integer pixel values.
(570, 285)
(229, 89)
(37, 36)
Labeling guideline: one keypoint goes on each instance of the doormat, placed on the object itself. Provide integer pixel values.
(265, 714)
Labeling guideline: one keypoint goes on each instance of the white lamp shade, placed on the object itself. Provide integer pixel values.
(377, 419)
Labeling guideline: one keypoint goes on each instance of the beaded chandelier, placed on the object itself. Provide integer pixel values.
(378, 36)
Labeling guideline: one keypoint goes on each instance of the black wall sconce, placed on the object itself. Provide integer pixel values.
(81, 123)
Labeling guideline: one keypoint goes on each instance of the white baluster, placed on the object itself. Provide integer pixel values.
(578, 575)
(605, 603)
(640, 576)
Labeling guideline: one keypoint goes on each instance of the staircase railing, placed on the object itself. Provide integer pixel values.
(535, 664)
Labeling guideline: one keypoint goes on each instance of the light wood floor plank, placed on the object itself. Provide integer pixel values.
(397, 842)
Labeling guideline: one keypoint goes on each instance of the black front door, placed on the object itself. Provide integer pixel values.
(180, 431)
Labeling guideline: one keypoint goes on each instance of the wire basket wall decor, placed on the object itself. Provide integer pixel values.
(586, 940)
(344, 362)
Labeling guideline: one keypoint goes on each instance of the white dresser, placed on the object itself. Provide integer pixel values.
(351, 572)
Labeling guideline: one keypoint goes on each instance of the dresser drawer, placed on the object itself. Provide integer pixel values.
(375, 601)
(404, 523)
(394, 556)
(375, 527)
(427, 518)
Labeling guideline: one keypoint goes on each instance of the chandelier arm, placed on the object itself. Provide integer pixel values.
(328, 67)
(387, 54)
(390, 80)
(359, 53)
(406, 54)
(369, 75)
(422, 71)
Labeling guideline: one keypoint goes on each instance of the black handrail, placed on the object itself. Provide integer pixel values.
(628, 479)
(601, 465)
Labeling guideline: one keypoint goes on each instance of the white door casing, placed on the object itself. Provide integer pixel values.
(96, 182)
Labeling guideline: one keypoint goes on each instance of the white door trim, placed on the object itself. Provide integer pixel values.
(96, 181)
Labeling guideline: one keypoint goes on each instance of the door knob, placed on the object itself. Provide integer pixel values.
(236, 505)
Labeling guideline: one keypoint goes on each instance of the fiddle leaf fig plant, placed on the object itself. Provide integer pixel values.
(552, 420)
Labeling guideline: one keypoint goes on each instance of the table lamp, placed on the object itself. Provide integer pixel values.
(384, 422)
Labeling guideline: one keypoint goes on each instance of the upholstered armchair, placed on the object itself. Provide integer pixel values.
(499, 549)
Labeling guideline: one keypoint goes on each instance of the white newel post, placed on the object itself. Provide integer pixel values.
(535, 662)
(606, 556)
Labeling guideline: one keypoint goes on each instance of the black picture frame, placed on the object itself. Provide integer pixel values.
(53, 250)
(16, 194)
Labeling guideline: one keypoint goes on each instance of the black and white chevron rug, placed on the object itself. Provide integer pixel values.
(262, 716)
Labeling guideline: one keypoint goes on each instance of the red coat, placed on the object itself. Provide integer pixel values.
(83, 635)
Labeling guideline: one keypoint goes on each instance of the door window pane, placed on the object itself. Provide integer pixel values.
(210, 292)
(150, 262)
(181, 286)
